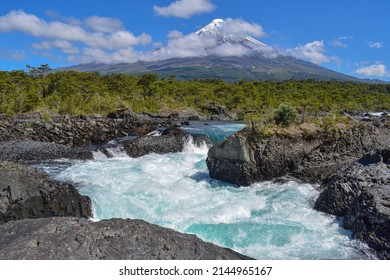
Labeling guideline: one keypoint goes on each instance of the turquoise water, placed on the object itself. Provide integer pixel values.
(265, 221)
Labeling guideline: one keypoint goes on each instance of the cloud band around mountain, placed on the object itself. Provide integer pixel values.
(375, 70)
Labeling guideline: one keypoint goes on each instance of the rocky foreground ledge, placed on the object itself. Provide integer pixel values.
(26, 192)
(81, 239)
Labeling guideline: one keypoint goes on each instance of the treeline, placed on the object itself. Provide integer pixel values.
(78, 93)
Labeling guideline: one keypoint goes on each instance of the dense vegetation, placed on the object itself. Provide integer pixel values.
(90, 93)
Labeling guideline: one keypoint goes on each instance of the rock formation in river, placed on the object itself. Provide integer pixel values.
(361, 193)
(78, 239)
(26, 192)
(172, 140)
(307, 152)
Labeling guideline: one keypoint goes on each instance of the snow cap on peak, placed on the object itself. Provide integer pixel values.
(232, 31)
(217, 20)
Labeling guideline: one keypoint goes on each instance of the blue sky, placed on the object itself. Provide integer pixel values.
(351, 37)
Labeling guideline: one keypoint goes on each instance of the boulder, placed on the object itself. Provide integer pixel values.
(343, 187)
(369, 219)
(123, 114)
(26, 192)
(188, 114)
(217, 112)
(29, 150)
(116, 239)
(361, 194)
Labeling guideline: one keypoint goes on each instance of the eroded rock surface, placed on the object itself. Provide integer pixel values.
(172, 140)
(73, 238)
(311, 156)
(29, 150)
(26, 192)
(361, 194)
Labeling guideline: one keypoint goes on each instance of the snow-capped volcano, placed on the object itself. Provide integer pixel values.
(223, 49)
(226, 32)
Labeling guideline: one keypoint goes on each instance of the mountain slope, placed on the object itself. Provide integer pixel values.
(231, 69)
(256, 60)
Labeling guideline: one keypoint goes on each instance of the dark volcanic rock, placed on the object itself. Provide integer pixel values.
(26, 192)
(361, 193)
(369, 219)
(307, 153)
(75, 131)
(218, 112)
(28, 150)
(232, 161)
(172, 140)
(73, 238)
(343, 187)
(124, 114)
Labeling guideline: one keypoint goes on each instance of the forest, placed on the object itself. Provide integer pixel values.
(78, 93)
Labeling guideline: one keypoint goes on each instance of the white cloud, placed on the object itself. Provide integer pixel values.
(32, 25)
(65, 46)
(313, 52)
(185, 8)
(89, 55)
(375, 70)
(103, 24)
(175, 34)
(237, 27)
(190, 45)
(340, 42)
(375, 45)
(17, 56)
(59, 17)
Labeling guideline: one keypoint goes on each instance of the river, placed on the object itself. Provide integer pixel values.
(265, 221)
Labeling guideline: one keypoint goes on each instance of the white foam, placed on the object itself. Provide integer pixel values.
(117, 152)
(191, 147)
(156, 132)
(99, 155)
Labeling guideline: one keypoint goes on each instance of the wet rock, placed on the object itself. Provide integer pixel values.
(73, 238)
(343, 187)
(361, 193)
(26, 192)
(369, 218)
(172, 140)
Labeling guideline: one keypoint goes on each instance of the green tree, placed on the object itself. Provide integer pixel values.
(146, 81)
(40, 73)
(285, 114)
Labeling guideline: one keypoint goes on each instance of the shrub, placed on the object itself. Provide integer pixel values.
(285, 114)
